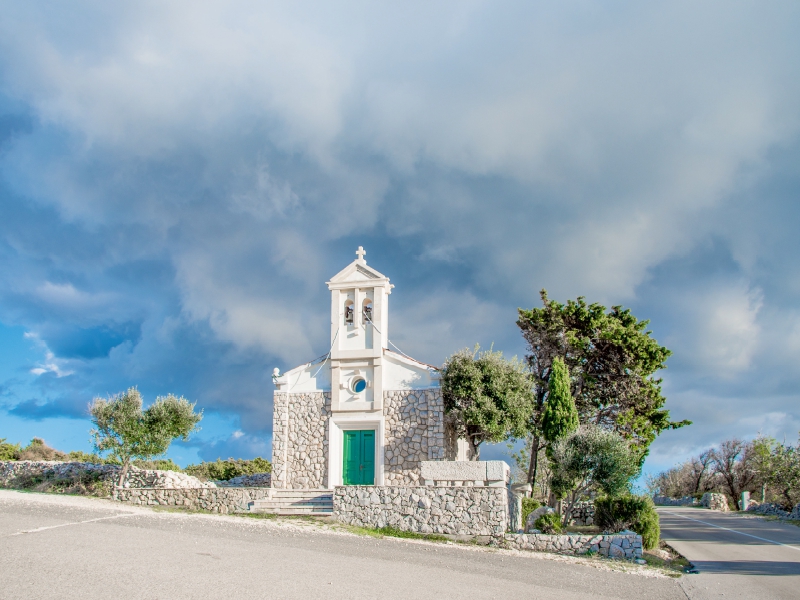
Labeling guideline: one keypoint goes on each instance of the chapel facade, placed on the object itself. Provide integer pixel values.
(363, 414)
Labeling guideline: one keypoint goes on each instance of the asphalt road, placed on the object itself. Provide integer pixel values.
(737, 556)
(66, 547)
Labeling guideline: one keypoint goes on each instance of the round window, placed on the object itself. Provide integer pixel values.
(359, 385)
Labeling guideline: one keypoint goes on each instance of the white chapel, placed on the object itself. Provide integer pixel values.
(364, 414)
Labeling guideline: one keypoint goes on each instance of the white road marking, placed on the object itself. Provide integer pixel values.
(733, 530)
(38, 529)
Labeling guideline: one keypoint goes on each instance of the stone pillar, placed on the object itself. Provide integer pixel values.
(744, 501)
(515, 494)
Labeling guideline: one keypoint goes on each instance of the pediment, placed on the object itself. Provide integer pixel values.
(357, 271)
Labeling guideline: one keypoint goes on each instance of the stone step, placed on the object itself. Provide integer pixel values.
(301, 496)
(267, 506)
(295, 502)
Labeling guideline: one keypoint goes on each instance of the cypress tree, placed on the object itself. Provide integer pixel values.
(560, 416)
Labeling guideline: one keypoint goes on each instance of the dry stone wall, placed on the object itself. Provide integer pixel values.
(255, 480)
(300, 446)
(414, 432)
(626, 545)
(715, 501)
(472, 511)
(217, 500)
(667, 501)
(775, 510)
(582, 514)
(11, 471)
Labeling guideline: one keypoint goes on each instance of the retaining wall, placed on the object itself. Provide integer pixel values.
(218, 500)
(625, 545)
(471, 511)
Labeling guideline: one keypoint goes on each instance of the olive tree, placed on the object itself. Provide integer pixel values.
(591, 459)
(127, 432)
(486, 397)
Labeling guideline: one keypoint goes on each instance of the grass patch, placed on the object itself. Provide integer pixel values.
(249, 515)
(362, 531)
(794, 522)
(411, 535)
(381, 532)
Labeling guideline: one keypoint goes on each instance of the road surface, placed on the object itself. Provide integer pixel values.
(67, 547)
(737, 556)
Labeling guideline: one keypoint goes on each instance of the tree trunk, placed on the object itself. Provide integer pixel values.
(125, 464)
(534, 464)
(476, 447)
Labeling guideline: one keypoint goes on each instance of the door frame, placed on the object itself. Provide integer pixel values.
(349, 421)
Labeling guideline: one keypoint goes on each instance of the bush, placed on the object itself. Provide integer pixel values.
(649, 528)
(83, 484)
(528, 506)
(548, 523)
(9, 451)
(222, 470)
(616, 514)
(85, 457)
(629, 512)
(164, 464)
(38, 450)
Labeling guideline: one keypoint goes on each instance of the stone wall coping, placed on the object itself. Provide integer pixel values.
(491, 472)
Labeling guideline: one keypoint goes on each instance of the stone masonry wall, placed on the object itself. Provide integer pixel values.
(582, 514)
(218, 500)
(775, 510)
(715, 501)
(414, 432)
(625, 545)
(470, 511)
(667, 501)
(300, 440)
(135, 478)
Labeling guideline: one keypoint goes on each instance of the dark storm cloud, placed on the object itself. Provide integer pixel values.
(175, 192)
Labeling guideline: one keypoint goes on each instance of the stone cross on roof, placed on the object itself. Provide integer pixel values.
(360, 254)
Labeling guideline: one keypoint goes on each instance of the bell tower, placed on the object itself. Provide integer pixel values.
(359, 329)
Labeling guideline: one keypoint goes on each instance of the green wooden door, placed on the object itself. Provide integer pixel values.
(359, 458)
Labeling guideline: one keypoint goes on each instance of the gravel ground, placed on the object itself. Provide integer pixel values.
(71, 547)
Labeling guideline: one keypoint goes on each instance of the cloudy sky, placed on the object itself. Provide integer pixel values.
(178, 181)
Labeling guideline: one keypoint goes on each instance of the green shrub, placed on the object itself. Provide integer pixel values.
(9, 451)
(164, 464)
(83, 484)
(85, 457)
(616, 514)
(649, 528)
(528, 506)
(222, 470)
(636, 513)
(548, 523)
